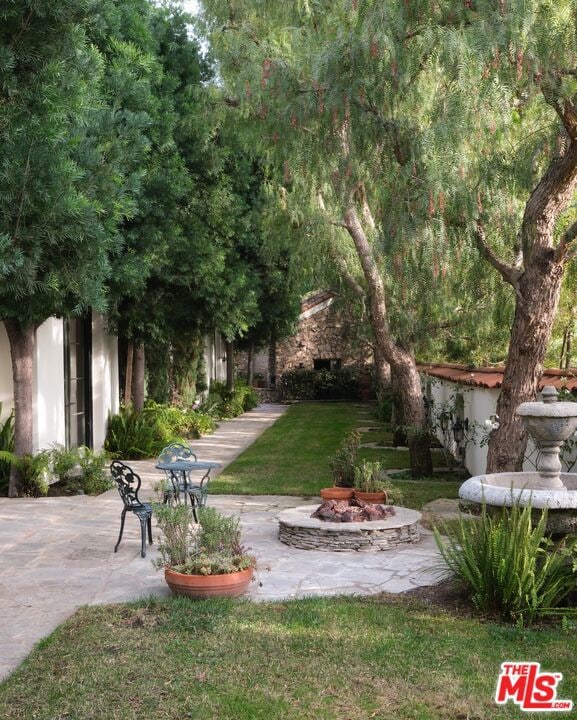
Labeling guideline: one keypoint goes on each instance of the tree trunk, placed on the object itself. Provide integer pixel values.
(229, 366)
(128, 378)
(22, 340)
(537, 290)
(402, 362)
(186, 353)
(535, 310)
(382, 372)
(398, 422)
(250, 365)
(139, 367)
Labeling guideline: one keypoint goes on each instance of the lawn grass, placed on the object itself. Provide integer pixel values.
(291, 457)
(321, 659)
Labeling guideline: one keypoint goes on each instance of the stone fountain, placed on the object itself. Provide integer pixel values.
(549, 423)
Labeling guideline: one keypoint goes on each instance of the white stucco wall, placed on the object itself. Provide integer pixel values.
(215, 357)
(105, 382)
(49, 425)
(6, 388)
(48, 393)
(479, 404)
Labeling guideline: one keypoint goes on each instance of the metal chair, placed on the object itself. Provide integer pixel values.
(128, 483)
(179, 478)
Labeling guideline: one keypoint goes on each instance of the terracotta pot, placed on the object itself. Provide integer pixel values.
(379, 498)
(337, 493)
(204, 586)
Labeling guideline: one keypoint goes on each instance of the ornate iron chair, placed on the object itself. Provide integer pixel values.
(128, 483)
(180, 482)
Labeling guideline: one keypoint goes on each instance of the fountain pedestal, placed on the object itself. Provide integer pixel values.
(549, 423)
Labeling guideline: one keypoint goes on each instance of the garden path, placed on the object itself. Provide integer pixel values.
(62, 549)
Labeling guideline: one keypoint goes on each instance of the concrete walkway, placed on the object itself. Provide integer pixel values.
(56, 553)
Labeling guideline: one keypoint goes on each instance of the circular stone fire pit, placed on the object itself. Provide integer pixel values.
(298, 529)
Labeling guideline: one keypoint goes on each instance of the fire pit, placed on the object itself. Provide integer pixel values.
(300, 528)
(355, 510)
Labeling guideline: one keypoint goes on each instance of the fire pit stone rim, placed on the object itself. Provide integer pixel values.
(300, 517)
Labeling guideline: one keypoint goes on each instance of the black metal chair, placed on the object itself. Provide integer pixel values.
(128, 483)
(176, 452)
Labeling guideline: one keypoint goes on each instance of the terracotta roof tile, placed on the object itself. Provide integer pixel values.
(493, 377)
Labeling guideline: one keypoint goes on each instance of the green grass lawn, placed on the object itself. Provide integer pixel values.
(291, 457)
(317, 659)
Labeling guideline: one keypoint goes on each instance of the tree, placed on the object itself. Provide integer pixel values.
(66, 156)
(351, 101)
(522, 58)
(189, 249)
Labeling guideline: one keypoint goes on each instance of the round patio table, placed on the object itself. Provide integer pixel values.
(178, 472)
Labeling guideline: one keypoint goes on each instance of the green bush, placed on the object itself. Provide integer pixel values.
(81, 469)
(224, 404)
(508, 565)
(343, 462)
(384, 407)
(33, 471)
(212, 548)
(95, 478)
(186, 422)
(301, 384)
(136, 434)
(6, 445)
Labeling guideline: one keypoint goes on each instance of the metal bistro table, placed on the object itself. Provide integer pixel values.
(178, 471)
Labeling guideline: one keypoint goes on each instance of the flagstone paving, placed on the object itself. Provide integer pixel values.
(57, 553)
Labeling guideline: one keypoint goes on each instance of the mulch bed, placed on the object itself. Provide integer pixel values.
(445, 595)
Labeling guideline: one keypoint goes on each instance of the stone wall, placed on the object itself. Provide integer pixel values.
(326, 333)
(330, 334)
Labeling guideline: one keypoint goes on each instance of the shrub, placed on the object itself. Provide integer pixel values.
(301, 384)
(81, 469)
(134, 434)
(508, 565)
(224, 404)
(33, 471)
(342, 464)
(384, 407)
(212, 548)
(6, 445)
(173, 420)
(94, 478)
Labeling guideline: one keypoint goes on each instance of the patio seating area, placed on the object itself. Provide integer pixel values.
(66, 558)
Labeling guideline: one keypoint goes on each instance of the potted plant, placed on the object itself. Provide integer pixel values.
(369, 483)
(205, 559)
(342, 467)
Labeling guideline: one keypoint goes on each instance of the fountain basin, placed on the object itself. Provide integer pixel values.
(505, 489)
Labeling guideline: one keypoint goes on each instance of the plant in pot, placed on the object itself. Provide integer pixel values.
(371, 484)
(342, 467)
(205, 559)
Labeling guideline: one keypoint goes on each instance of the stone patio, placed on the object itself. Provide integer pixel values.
(62, 549)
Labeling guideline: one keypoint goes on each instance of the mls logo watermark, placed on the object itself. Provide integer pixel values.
(529, 688)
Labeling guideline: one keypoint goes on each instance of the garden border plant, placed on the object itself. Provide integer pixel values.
(508, 565)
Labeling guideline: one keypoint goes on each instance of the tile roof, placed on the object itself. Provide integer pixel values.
(316, 299)
(492, 377)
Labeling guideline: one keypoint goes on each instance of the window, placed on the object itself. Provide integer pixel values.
(328, 364)
(77, 381)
